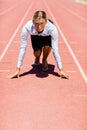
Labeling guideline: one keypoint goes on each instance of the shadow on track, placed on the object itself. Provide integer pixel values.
(37, 70)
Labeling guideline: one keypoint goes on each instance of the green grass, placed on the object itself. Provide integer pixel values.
(83, 0)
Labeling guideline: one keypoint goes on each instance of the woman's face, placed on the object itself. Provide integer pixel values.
(40, 24)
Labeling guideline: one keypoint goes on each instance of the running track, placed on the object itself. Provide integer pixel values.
(38, 100)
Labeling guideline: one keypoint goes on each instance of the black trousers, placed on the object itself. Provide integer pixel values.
(38, 42)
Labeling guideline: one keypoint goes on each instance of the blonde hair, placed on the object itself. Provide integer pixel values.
(39, 14)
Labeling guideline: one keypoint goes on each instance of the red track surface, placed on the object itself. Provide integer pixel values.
(38, 100)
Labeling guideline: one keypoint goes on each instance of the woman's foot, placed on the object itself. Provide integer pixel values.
(37, 62)
(44, 66)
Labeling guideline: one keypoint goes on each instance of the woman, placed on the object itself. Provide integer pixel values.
(44, 37)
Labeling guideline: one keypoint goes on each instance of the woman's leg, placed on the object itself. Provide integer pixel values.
(37, 55)
(46, 52)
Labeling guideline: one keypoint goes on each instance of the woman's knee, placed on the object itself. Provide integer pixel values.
(38, 53)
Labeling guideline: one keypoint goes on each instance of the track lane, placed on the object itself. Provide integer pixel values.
(40, 100)
(6, 32)
(12, 37)
(6, 5)
(76, 10)
(75, 54)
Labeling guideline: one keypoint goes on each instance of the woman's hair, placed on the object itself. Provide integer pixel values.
(39, 14)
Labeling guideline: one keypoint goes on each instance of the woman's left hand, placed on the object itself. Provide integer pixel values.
(63, 74)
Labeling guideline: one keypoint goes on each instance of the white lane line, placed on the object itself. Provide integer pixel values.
(80, 95)
(67, 44)
(11, 39)
(2, 71)
(9, 9)
(71, 71)
(75, 14)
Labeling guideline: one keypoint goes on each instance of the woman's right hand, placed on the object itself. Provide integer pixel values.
(16, 74)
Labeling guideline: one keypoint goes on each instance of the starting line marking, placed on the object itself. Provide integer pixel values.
(71, 71)
(2, 71)
(80, 95)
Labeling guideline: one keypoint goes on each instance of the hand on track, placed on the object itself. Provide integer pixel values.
(16, 74)
(63, 74)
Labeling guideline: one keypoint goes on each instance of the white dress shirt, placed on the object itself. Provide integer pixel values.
(29, 29)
